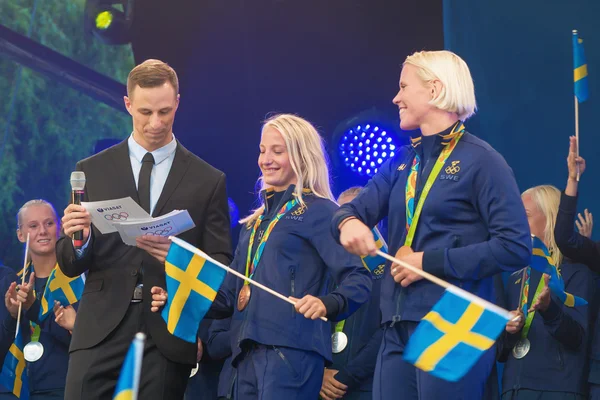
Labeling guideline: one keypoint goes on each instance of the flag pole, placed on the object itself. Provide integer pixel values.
(577, 132)
(448, 286)
(200, 253)
(576, 118)
(139, 340)
(22, 283)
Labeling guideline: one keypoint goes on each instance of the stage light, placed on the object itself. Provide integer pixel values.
(109, 20)
(366, 142)
(104, 20)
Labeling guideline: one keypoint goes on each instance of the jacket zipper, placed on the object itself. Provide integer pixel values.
(293, 289)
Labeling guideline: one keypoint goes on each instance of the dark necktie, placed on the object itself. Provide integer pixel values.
(144, 181)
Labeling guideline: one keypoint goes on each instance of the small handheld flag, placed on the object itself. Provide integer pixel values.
(200, 312)
(376, 264)
(580, 70)
(129, 380)
(14, 370)
(454, 335)
(192, 284)
(542, 262)
(61, 288)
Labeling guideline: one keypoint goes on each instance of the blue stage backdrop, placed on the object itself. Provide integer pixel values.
(520, 55)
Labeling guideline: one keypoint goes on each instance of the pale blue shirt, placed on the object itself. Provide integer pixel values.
(163, 160)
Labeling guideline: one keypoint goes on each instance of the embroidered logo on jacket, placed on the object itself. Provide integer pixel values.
(296, 215)
(378, 272)
(450, 172)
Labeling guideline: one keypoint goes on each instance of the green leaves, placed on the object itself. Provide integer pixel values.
(52, 126)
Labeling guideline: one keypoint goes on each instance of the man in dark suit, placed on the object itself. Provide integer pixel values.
(154, 169)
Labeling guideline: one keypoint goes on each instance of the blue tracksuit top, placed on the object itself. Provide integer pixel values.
(297, 259)
(557, 359)
(473, 224)
(50, 371)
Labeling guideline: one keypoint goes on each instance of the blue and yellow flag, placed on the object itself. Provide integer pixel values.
(454, 334)
(542, 262)
(14, 370)
(60, 288)
(129, 379)
(192, 283)
(376, 264)
(580, 71)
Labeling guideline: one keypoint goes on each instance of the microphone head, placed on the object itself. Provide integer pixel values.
(77, 180)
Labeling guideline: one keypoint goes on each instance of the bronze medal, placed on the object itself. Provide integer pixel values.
(404, 251)
(243, 297)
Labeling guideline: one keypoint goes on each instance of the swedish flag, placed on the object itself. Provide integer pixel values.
(542, 262)
(375, 264)
(454, 334)
(129, 379)
(14, 370)
(192, 284)
(580, 71)
(60, 288)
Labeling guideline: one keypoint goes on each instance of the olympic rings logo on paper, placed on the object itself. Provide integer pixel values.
(160, 232)
(122, 216)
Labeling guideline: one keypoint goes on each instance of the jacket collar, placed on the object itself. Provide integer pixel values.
(266, 194)
(444, 137)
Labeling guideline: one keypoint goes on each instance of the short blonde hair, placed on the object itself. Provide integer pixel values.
(150, 74)
(547, 200)
(458, 91)
(308, 158)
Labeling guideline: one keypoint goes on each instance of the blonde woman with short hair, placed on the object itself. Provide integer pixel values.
(453, 209)
(280, 350)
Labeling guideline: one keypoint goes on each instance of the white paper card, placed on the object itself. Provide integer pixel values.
(106, 213)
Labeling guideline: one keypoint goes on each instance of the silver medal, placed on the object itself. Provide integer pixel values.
(339, 341)
(521, 348)
(194, 370)
(33, 351)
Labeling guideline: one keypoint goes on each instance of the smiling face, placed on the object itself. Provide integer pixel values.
(274, 160)
(41, 223)
(413, 99)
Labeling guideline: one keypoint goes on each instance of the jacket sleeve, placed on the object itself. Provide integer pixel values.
(215, 237)
(225, 301)
(71, 263)
(9, 324)
(496, 198)
(352, 278)
(218, 344)
(572, 244)
(570, 325)
(371, 204)
(362, 365)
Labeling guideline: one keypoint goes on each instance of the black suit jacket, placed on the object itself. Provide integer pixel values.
(113, 266)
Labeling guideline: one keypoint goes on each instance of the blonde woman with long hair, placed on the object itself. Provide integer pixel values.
(546, 352)
(454, 210)
(280, 350)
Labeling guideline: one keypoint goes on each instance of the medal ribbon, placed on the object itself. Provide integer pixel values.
(412, 214)
(529, 315)
(35, 328)
(339, 327)
(252, 264)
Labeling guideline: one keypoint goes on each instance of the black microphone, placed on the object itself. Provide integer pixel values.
(77, 186)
